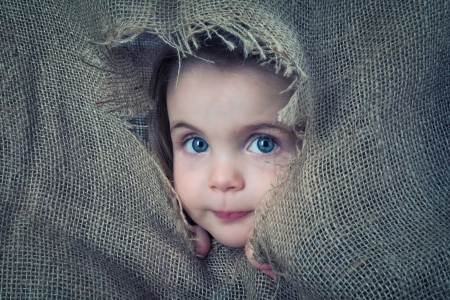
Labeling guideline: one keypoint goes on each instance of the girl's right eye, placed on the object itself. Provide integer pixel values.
(196, 145)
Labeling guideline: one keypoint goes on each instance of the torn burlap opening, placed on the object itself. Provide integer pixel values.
(87, 213)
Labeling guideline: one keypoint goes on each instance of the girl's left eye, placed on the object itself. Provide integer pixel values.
(263, 145)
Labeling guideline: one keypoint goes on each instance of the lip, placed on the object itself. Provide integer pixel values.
(231, 215)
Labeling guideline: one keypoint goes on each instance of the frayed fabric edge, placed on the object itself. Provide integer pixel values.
(184, 41)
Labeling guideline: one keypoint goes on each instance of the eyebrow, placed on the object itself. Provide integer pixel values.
(246, 128)
(176, 125)
(275, 125)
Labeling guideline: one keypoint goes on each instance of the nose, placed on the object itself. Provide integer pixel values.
(225, 175)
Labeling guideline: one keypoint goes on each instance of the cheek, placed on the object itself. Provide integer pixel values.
(186, 182)
(262, 178)
(180, 183)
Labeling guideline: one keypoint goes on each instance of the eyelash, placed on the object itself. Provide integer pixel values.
(183, 143)
(258, 136)
(187, 139)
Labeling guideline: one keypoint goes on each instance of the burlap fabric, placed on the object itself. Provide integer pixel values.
(86, 212)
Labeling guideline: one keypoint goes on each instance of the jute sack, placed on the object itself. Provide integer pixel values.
(87, 213)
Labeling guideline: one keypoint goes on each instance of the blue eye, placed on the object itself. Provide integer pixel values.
(196, 145)
(263, 144)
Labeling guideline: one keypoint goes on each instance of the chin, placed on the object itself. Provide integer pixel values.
(232, 242)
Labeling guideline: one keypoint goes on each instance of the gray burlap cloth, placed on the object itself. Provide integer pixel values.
(85, 212)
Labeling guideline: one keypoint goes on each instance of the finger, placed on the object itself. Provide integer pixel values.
(249, 252)
(202, 242)
(269, 273)
(264, 267)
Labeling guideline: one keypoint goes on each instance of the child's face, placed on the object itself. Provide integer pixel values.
(227, 145)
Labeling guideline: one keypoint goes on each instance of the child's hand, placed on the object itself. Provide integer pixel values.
(265, 267)
(203, 245)
(202, 242)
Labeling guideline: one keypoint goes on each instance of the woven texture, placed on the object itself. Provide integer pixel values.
(85, 212)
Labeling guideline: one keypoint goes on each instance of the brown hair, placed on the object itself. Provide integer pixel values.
(210, 48)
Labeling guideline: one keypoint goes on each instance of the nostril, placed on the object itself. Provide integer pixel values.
(226, 178)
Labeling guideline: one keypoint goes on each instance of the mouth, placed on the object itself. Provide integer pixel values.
(231, 215)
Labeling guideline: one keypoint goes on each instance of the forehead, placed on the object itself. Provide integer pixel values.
(224, 66)
(225, 98)
(202, 83)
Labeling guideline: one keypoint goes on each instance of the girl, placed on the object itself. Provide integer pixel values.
(217, 137)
